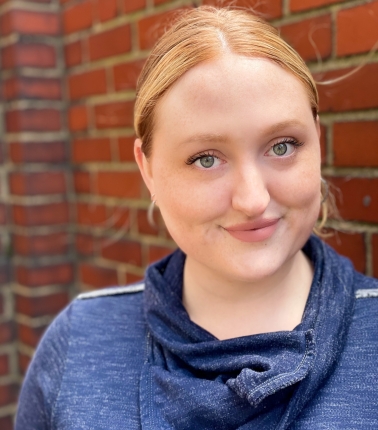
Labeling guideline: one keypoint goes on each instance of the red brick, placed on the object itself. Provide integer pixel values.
(5, 273)
(30, 335)
(82, 182)
(3, 214)
(23, 363)
(78, 118)
(359, 198)
(32, 88)
(110, 43)
(46, 214)
(8, 394)
(30, 23)
(41, 306)
(126, 148)
(116, 114)
(151, 28)
(87, 150)
(6, 332)
(33, 120)
(32, 184)
(37, 152)
(4, 365)
(123, 251)
(269, 9)
(38, 276)
(131, 278)
(299, 5)
(359, 91)
(119, 184)
(311, 37)
(126, 75)
(98, 277)
(351, 245)
(119, 218)
(132, 6)
(87, 84)
(107, 9)
(28, 55)
(78, 17)
(157, 253)
(37, 245)
(375, 255)
(85, 244)
(73, 53)
(357, 29)
(355, 144)
(91, 214)
(6, 423)
(144, 226)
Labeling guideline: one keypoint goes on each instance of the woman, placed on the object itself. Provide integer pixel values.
(252, 323)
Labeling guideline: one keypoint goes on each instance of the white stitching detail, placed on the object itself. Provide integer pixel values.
(365, 294)
(114, 291)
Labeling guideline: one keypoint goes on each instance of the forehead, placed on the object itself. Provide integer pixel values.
(233, 91)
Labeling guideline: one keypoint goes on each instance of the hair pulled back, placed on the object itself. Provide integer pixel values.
(202, 34)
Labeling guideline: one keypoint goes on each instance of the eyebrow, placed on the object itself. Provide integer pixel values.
(284, 124)
(206, 137)
(216, 138)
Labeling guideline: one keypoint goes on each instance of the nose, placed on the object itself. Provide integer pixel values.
(250, 194)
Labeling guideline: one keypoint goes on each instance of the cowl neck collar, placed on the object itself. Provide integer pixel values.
(193, 380)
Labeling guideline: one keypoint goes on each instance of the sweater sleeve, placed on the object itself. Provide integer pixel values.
(41, 386)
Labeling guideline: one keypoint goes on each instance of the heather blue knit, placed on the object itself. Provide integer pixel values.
(133, 360)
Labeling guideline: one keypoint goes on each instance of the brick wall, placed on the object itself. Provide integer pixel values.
(73, 209)
(37, 243)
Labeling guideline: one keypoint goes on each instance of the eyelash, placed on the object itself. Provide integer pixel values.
(290, 141)
(193, 158)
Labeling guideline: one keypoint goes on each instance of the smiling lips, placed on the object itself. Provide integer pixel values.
(255, 231)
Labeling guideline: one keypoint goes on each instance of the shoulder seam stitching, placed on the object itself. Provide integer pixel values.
(114, 291)
(367, 293)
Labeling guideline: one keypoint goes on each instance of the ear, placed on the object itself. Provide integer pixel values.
(144, 166)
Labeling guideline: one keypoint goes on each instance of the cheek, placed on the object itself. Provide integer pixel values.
(300, 188)
(186, 203)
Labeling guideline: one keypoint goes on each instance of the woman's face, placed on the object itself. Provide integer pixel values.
(235, 166)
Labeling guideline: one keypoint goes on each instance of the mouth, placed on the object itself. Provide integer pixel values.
(254, 231)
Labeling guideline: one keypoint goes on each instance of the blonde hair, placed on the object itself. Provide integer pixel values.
(202, 34)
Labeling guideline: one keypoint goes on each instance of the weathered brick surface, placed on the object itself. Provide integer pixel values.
(67, 99)
(357, 29)
(355, 144)
(312, 38)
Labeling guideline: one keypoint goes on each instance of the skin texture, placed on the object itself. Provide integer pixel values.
(236, 109)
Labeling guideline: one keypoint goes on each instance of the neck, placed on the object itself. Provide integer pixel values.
(233, 308)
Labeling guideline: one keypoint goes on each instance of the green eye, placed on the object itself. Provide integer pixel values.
(207, 161)
(280, 149)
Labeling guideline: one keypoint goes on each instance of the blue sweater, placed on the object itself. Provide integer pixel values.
(130, 358)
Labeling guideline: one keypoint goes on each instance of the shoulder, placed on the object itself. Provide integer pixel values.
(366, 287)
(98, 329)
(94, 312)
(364, 327)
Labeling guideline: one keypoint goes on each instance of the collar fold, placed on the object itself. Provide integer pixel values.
(193, 380)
